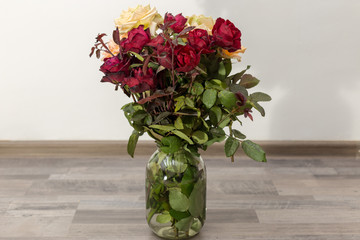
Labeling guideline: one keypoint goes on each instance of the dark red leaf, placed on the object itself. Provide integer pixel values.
(98, 53)
(152, 97)
(186, 30)
(92, 51)
(116, 36)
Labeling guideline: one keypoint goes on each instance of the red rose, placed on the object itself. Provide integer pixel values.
(159, 40)
(164, 55)
(186, 58)
(179, 20)
(141, 82)
(199, 39)
(114, 64)
(136, 40)
(226, 35)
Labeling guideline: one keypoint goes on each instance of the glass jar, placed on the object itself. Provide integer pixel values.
(175, 194)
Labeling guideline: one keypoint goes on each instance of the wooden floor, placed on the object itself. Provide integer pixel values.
(93, 190)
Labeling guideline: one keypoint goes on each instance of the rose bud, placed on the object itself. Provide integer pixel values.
(136, 40)
(226, 35)
(199, 39)
(179, 20)
(241, 99)
(186, 58)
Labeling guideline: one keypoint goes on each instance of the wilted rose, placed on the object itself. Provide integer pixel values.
(226, 35)
(186, 58)
(199, 39)
(140, 82)
(179, 20)
(136, 40)
(114, 64)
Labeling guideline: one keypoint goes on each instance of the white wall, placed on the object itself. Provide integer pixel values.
(306, 52)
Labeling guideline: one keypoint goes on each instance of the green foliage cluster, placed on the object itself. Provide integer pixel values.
(195, 112)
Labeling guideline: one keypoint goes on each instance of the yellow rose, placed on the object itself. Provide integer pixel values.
(226, 54)
(202, 22)
(134, 17)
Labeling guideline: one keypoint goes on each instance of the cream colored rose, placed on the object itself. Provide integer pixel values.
(202, 22)
(140, 15)
(235, 55)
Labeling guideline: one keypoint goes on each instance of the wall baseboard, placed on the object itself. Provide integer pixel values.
(17, 149)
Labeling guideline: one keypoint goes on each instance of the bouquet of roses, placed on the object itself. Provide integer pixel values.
(177, 71)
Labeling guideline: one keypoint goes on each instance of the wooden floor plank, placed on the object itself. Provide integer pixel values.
(94, 191)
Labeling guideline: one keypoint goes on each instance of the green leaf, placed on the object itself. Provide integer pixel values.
(178, 123)
(197, 89)
(217, 132)
(179, 215)
(197, 199)
(162, 116)
(200, 137)
(132, 143)
(136, 65)
(139, 115)
(187, 182)
(163, 218)
(183, 136)
(259, 108)
(209, 97)
(163, 127)
(248, 81)
(189, 102)
(215, 84)
(215, 115)
(228, 99)
(138, 56)
(196, 226)
(178, 201)
(260, 97)
(148, 120)
(253, 150)
(238, 76)
(238, 134)
(184, 224)
(222, 70)
(170, 144)
(228, 66)
(231, 145)
(180, 102)
(237, 88)
(224, 122)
